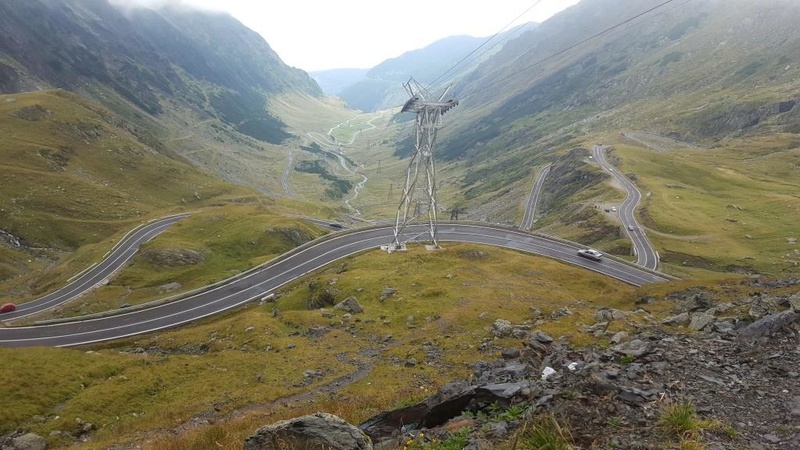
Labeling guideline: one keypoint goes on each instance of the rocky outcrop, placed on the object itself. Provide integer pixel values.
(319, 430)
(451, 401)
(733, 363)
(174, 256)
(614, 396)
(769, 325)
(11, 240)
(741, 116)
(169, 287)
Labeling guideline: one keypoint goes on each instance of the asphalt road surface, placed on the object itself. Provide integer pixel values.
(642, 248)
(114, 260)
(297, 263)
(533, 200)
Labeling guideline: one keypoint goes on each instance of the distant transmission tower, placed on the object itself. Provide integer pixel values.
(429, 120)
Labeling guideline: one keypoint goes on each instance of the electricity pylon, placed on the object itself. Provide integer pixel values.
(429, 120)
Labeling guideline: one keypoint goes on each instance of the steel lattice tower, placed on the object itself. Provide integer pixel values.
(427, 123)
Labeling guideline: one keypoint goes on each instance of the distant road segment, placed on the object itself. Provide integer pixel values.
(113, 261)
(646, 255)
(533, 200)
(298, 263)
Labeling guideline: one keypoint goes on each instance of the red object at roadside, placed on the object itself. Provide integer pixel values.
(8, 307)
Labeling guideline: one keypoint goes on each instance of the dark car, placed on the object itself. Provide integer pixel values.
(8, 307)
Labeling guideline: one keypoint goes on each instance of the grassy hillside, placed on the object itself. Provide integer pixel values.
(250, 364)
(211, 245)
(700, 113)
(728, 209)
(695, 76)
(74, 175)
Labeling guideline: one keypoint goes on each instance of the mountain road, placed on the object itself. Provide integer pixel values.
(533, 200)
(646, 255)
(113, 261)
(256, 284)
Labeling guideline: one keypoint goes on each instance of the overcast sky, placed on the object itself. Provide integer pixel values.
(333, 34)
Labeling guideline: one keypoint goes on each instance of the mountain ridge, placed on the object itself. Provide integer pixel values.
(379, 88)
(208, 62)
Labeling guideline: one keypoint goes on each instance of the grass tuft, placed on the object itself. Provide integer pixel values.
(680, 419)
(543, 433)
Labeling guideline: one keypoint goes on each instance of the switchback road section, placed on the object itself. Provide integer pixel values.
(113, 261)
(257, 284)
(646, 255)
(533, 200)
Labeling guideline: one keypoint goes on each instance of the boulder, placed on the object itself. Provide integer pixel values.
(636, 348)
(794, 302)
(449, 402)
(769, 325)
(609, 314)
(761, 307)
(543, 337)
(319, 430)
(619, 337)
(502, 328)
(681, 319)
(387, 292)
(29, 441)
(169, 287)
(350, 305)
(724, 327)
(700, 320)
(693, 299)
(561, 312)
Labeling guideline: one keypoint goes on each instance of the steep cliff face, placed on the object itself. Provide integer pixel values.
(208, 62)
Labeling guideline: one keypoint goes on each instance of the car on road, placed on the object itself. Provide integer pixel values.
(8, 307)
(630, 227)
(590, 253)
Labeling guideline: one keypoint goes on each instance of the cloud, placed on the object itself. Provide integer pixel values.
(159, 4)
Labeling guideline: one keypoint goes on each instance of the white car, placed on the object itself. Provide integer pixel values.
(590, 253)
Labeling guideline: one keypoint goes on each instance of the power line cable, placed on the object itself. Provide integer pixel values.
(565, 50)
(581, 42)
(489, 39)
(486, 41)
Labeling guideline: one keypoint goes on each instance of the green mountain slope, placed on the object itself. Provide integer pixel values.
(702, 71)
(73, 173)
(209, 91)
(203, 61)
(712, 84)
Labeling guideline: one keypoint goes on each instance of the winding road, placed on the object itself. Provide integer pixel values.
(113, 261)
(257, 283)
(646, 255)
(533, 200)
